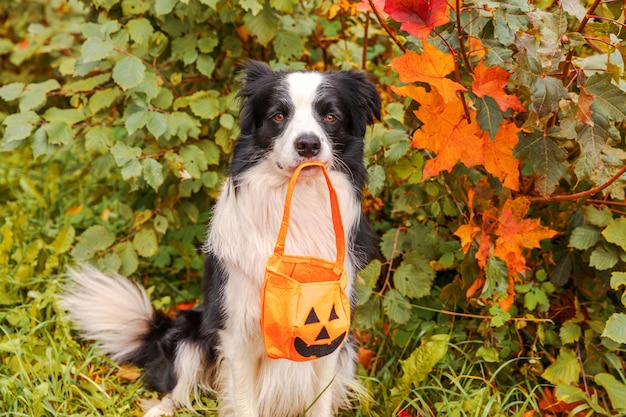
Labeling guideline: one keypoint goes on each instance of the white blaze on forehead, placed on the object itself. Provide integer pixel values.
(302, 88)
(303, 91)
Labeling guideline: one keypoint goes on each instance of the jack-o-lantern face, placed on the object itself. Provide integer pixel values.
(324, 343)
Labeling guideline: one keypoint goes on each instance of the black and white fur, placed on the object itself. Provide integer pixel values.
(286, 119)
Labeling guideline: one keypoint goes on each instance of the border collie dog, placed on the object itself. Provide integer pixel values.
(286, 118)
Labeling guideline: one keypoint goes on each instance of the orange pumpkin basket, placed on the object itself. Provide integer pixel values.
(305, 312)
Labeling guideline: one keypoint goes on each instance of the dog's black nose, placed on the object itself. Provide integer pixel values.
(308, 146)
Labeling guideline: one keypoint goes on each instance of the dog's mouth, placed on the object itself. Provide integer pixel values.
(306, 170)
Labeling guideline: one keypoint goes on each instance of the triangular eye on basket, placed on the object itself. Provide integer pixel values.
(305, 312)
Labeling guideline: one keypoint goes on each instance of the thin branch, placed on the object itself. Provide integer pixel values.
(570, 53)
(457, 74)
(581, 195)
(387, 28)
(479, 316)
(459, 34)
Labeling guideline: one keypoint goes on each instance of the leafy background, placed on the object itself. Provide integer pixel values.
(496, 188)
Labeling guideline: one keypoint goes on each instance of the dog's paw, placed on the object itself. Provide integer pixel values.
(155, 408)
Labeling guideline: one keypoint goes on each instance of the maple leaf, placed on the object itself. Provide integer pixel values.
(498, 155)
(492, 81)
(432, 67)
(418, 17)
(467, 233)
(516, 234)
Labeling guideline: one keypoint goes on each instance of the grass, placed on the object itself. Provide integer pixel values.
(46, 371)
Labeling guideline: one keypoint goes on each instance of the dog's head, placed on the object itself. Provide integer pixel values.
(289, 118)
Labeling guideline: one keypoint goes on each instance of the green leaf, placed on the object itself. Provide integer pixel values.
(598, 217)
(584, 237)
(69, 116)
(97, 238)
(413, 279)
(194, 161)
(488, 354)
(205, 64)
(499, 316)
(140, 30)
(615, 232)
(489, 116)
(546, 156)
(565, 370)
(603, 258)
(546, 92)
(129, 72)
(608, 98)
(618, 279)
(35, 95)
(288, 45)
(11, 91)
(184, 48)
(145, 242)
(152, 173)
(615, 389)
(102, 99)
(263, 25)
(397, 308)
(124, 154)
(99, 139)
(19, 125)
(64, 240)
(570, 332)
(253, 6)
(376, 181)
(59, 133)
(371, 273)
(86, 84)
(157, 123)
(94, 50)
(204, 104)
(162, 7)
(128, 256)
(615, 328)
(417, 367)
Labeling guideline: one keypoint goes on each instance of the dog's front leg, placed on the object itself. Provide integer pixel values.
(237, 379)
(326, 370)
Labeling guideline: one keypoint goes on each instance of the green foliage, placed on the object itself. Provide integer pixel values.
(117, 122)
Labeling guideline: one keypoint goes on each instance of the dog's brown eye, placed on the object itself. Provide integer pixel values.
(330, 118)
(279, 117)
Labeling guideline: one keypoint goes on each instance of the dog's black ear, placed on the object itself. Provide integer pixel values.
(253, 71)
(361, 97)
(257, 79)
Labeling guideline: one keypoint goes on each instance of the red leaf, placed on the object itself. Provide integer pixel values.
(418, 17)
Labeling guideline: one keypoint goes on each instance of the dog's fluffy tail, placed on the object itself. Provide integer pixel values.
(114, 312)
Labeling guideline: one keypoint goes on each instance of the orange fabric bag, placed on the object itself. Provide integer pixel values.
(305, 312)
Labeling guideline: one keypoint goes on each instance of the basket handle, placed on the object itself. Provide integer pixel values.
(340, 239)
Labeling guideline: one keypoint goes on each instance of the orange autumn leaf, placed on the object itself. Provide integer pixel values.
(447, 132)
(432, 67)
(492, 81)
(476, 285)
(498, 155)
(516, 234)
(418, 17)
(467, 233)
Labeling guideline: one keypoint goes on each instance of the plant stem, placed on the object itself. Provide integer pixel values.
(459, 35)
(387, 28)
(583, 194)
